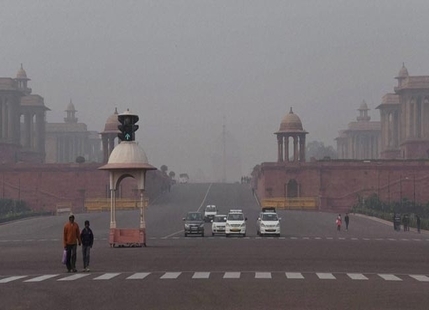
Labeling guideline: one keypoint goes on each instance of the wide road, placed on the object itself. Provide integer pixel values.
(310, 266)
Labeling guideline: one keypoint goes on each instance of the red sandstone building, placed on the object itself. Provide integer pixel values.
(388, 158)
(38, 159)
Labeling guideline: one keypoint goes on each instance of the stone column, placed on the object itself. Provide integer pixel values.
(279, 148)
(286, 157)
(302, 148)
(295, 148)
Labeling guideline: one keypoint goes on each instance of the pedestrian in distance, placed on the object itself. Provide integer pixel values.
(71, 237)
(87, 238)
(346, 219)
(418, 223)
(338, 222)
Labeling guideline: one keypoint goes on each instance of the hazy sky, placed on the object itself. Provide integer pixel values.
(183, 66)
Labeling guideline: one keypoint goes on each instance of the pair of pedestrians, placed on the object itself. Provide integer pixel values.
(339, 221)
(72, 237)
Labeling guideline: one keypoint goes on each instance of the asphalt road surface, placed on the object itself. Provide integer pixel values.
(310, 266)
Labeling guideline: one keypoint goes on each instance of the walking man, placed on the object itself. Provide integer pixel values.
(87, 238)
(346, 219)
(418, 223)
(71, 237)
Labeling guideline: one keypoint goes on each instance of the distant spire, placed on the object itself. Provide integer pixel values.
(290, 112)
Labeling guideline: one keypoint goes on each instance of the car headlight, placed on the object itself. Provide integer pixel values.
(278, 225)
(202, 225)
(186, 225)
(227, 225)
(243, 225)
(263, 225)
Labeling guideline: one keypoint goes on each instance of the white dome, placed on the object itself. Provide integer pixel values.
(127, 155)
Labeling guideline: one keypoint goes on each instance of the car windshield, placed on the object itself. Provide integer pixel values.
(269, 217)
(194, 217)
(211, 208)
(235, 217)
(220, 219)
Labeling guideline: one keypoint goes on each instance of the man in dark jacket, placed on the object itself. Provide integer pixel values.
(87, 238)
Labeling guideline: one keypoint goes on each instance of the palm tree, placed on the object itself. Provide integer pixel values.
(172, 174)
(164, 169)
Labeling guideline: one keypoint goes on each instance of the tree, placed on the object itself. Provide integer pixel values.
(318, 150)
(80, 159)
(164, 169)
(172, 174)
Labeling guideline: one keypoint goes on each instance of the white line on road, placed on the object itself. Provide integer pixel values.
(42, 278)
(420, 278)
(10, 279)
(262, 275)
(204, 200)
(171, 275)
(294, 275)
(107, 276)
(74, 277)
(390, 277)
(138, 276)
(357, 276)
(231, 275)
(201, 275)
(325, 276)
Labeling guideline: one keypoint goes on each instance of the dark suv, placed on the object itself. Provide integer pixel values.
(194, 223)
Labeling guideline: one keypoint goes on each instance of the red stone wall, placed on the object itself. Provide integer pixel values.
(337, 184)
(43, 186)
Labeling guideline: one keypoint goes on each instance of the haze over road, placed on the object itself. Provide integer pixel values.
(311, 266)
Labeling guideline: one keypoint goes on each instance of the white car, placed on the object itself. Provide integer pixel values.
(218, 224)
(268, 223)
(209, 213)
(235, 223)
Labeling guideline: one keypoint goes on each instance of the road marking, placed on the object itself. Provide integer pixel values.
(171, 275)
(329, 238)
(138, 276)
(341, 238)
(420, 278)
(73, 277)
(204, 199)
(366, 239)
(306, 238)
(417, 239)
(357, 276)
(391, 239)
(404, 239)
(390, 277)
(231, 275)
(355, 239)
(317, 238)
(294, 275)
(42, 278)
(262, 275)
(10, 279)
(107, 276)
(325, 276)
(201, 275)
(293, 238)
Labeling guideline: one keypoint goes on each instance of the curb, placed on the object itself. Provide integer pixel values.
(376, 219)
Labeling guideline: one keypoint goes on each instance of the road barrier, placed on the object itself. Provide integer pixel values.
(103, 204)
(62, 208)
(298, 203)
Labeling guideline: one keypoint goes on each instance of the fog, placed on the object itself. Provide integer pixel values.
(189, 67)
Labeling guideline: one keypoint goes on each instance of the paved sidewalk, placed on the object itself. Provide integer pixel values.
(389, 223)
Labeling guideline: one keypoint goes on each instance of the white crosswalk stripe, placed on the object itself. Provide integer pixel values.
(420, 278)
(10, 279)
(294, 275)
(357, 276)
(325, 276)
(138, 276)
(201, 275)
(42, 278)
(231, 275)
(107, 276)
(74, 277)
(390, 277)
(171, 275)
(262, 275)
